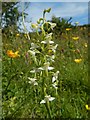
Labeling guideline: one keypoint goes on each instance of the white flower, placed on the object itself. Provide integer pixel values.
(53, 48)
(48, 39)
(50, 58)
(52, 25)
(54, 80)
(53, 56)
(55, 85)
(32, 81)
(43, 101)
(47, 42)
(35, 70)
(50, 68)
(55, 76)
(32, 52)
(46, 66)
(33, 46)
(48, 36)
(47, 99)
(40, 68)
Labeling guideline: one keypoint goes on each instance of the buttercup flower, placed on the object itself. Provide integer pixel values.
(87, 107)
(75, 38)
(68, 29)
(12, 54)
(78, 60)
(17, 34)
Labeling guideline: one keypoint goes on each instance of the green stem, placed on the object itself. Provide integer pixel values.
(43, 17)
(25, 26)
(43, 88)
(48, 110)
(47, 103)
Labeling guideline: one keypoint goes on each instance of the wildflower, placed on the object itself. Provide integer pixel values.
(17, 34)
(55, 85)
(33, 46)
(55, 76)
(47, 99)
(75, 38)
(54, 80)
(53, 48)
(48, 36)
(35, 70)
(33, 53)
(85, 44)
(46, 67)
(50, 57)
(52, 25)
(33, 81)
(68, 29)
(47, 42)
(50, 52)
(48, 39)
(78, 60)
(87, 107)
(12, 54)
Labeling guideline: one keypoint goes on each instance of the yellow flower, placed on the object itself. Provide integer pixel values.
(12, 54)
(75, 38)
(85, 44)
(87, 107)
(68, 29)
(50, 52)
(17, 34)
(78, 60)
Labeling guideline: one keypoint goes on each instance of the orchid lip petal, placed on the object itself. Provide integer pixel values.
(51, 98)
(50, 68)
(43, 101)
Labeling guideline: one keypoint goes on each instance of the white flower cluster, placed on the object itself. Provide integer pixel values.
(43, 59)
